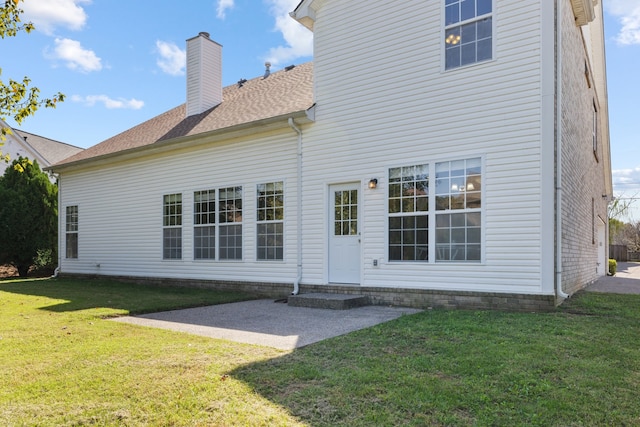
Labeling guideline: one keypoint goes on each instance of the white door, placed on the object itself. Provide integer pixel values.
(603, 263)
(344, 234)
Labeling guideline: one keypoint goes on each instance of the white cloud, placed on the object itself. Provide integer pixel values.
(628, 14)
(626, 186)
(46, 15)
(120, 103)
(299, 39)
(223, 6)
(75, 56)
(172, 59)
(626, 180)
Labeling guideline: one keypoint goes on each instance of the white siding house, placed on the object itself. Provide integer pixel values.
(45, 151)
(419, 160)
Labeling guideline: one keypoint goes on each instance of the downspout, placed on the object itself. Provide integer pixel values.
(57, 270)
(296, 283)
(559, 292)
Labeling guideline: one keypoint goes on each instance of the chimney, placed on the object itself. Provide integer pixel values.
(204, 74)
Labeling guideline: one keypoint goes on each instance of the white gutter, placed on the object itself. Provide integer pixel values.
(296, 283)
(558, 285)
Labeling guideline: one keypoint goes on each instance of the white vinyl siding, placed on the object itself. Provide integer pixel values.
(121, 223)
(383, 101)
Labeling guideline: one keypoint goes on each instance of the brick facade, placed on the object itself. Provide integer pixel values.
(415, 298)
(583, 186)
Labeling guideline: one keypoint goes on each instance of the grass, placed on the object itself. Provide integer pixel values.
(63, 364)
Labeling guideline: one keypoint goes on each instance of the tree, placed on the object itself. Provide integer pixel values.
(618, 208)
(28, 216)
(17, 99)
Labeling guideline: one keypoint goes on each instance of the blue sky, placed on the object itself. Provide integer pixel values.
(122, 62)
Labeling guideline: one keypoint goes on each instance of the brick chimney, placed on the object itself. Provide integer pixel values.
(204, 74)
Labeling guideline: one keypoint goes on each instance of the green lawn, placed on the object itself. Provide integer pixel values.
(63, 364)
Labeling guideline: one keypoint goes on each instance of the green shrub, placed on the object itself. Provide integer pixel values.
(44, 263)
(613, 266)
(28, 215)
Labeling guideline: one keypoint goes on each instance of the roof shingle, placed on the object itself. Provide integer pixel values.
(283, 92)
(51, 150)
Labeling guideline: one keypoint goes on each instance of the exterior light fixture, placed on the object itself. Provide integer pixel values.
(373, 183)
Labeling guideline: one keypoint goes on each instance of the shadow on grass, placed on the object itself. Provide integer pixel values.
(576, 365)
(130, 298)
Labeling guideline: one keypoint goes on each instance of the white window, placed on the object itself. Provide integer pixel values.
(445, 196)
(270, 226)
(595, 131)
(204, 220)
(172, 227)
(71, 227)
(458, 203)
(217, 224)
(230, 214)
(468, 32)
(409, 213)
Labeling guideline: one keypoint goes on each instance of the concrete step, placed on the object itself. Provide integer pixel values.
(330, 301)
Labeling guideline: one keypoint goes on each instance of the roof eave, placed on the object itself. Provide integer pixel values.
(242, 129)
(305, 13)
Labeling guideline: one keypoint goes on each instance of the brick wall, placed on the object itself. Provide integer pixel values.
(416, 298)
(582, 169)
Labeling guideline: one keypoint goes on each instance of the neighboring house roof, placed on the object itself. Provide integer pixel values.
(50, 150)
(282, 93)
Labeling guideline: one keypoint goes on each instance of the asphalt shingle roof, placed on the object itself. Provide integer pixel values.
(281, 93)
(52, 151)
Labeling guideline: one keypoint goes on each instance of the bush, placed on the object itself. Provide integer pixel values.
(28, 216)
(44, 263)
(613, 266)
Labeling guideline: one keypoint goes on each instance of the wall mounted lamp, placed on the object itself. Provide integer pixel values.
(373, 183)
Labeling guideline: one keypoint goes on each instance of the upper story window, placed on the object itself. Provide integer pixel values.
(594, 131)
(468, 32)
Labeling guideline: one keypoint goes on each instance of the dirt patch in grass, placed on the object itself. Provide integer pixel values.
(7, 271)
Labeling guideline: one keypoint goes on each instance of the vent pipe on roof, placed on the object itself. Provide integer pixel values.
(204, 74)
(267, 72)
